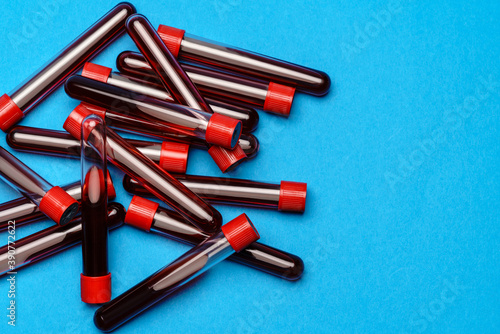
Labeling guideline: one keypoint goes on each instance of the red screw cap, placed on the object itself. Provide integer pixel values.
(73, 123)
(223, 131)
(59, 206)
(279, 99)
(111, 187)
(226, 159)
(96, 72)
(240, 232)
(141, 213)
(174, 157)
(172, 38)
(10, 113)
(95, 290)
(292, 196)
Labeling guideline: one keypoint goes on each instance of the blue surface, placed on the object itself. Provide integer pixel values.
(401, 230)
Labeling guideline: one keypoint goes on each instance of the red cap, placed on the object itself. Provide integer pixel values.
(292, 196)
(10, 113)
(73, 123)
(240, 232)
(223, 131)
(226, 159)
(59, 206)
(174, 157)
(111, 187)
(96, 72)
(95, 290)
(141, 212)
(279, 99)
(172, 38)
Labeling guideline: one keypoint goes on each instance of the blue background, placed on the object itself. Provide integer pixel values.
(401, 228)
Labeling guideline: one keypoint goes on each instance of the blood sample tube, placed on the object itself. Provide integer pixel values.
(287, 196)
(234, 237)
(216, 129)
(195, 49)
(160, 183)
(150, 217)
(95, 280)
(248, 117)
(57, 204)
(23, 211)
(171, 156)
(268, 96)
(52, 240)
(23, 99)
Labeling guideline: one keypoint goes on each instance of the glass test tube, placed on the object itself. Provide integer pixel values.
(196, 49)
(23, 99)
(234, 237)
(287, 196)
(249, 117)
(57, 204)
(150, 217)
(170, 156)
(266, 95)
(52, 240)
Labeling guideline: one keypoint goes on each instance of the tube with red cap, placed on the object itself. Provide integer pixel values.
(52, 240)
(249, 117)
(57, 204)
(160, 183)
(23, 211)
(171, 156)
(264, 94)
(150, 217)
(191, 48)
(287, 196)
(23, 99)
(95, 279)
(234, 237)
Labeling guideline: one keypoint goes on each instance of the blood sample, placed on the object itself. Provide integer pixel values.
(234, 237)
(23, 211)
(287, 196)
(152, 177)
(181, 120)
(57, 204)
(248, 116)
(195, 49)
(23, 99)
(95, 279)
(268, 96)
(150, 217)
(51, 241)
(171, 156)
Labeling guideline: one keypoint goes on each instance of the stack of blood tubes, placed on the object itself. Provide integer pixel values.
(150, 217)
(171, 156)
(287, 196)
(53, 201)
(95, 280)
(52, 240)
(234, 236)
(23, 99)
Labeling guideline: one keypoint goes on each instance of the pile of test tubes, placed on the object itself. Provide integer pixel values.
(181, 92)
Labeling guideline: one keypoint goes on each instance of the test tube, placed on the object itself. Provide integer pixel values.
(216, 129)
(52, 240)
(191, 48)
(57, 204)
(234, 237)
(95, 279)
(287, 196)
(249, 117)
(266, 95)
(23, 211)
(23, 99)
(150, 217)
(160, 183)
(171, 156)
